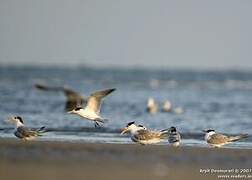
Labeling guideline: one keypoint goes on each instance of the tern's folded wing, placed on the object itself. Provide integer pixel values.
(218, 139)
(146, 135)
(26, 132)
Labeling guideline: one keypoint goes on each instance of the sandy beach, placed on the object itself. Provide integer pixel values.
(83, 81)
(65, 160)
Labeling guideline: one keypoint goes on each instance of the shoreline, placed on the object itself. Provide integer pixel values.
(114, 161)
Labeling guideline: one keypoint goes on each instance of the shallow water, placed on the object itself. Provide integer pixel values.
(211, 99)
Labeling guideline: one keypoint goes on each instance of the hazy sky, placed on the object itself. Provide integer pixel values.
(194, 34)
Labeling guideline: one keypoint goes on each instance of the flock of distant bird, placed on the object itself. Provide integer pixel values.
(152, 107)
(139, 133)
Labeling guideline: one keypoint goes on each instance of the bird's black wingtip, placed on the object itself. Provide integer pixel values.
(111, 90)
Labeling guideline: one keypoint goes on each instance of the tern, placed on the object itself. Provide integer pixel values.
(144, 136)
(174, 137)
(167, 106)
(178, 110)
(23, 132)
(74, 99)
(217, 140)
(92, 110)
(152, 106)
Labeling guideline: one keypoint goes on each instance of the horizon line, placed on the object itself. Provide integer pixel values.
(127, 67)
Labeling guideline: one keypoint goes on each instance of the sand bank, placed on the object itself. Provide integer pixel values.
(65, 160)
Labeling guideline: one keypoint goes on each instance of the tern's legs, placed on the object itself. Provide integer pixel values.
(97, 125)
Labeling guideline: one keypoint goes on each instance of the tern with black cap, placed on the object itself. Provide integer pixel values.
(92, 110)
(23, 132)
(174, 137)
(144, 136)
(217, 140)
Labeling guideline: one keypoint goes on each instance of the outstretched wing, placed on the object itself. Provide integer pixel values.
(95, 99)
(74, 99)
(44, 87)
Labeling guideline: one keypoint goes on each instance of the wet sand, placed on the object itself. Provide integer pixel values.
(71, 160)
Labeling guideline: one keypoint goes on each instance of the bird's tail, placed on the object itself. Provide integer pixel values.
(41, 130)
(236, 138)
(164, 133)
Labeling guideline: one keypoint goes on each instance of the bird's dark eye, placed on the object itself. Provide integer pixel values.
(130, 123)
(78, 108)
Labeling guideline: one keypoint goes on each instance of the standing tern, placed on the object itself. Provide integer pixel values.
(167, 106)
(152, 106)
(174, 137)
(217, 140)
(144, 136)
(23, 132)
